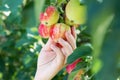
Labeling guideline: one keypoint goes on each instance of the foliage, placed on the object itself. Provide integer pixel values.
(20, 43)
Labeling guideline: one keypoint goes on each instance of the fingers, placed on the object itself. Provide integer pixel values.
(67, 49)
(60, 56)
(73, 32)
(71, 39)
(64, 51)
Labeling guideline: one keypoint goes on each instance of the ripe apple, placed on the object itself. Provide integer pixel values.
(58, 31)
(50, 16)
(76, 12)
(44, 31)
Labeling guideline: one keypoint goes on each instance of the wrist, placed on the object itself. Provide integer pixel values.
(39, 76)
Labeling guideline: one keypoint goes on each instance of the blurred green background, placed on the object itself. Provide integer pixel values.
(20, 42)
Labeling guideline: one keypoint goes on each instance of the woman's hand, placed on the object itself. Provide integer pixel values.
(52, 58)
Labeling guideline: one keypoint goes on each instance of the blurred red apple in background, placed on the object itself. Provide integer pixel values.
(44, 31)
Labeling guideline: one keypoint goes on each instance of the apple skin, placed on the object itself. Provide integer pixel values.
(58, 31)
(50, 16)
(44, 31)
(76, 12)
(70, 23)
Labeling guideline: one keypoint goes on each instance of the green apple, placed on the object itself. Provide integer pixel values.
(76, 12)
(68, 22)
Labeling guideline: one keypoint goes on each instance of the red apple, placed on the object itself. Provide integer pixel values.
(44, 31)
(50, 16)
(58, 31)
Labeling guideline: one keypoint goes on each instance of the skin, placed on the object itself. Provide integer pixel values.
(52, 58)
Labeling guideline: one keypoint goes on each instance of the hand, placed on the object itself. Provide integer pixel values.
(52, 58)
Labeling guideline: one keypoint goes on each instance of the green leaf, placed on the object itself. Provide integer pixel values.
(1, 75)
(81, 51)
(2, 31)
(14, 4)
(24, 41)
(97, 66)
(80, 65)
(14, 17)
(27, 59)
(38, 8)
(100, 31)
(29, 16)
(59, 2)
(72, 75)
(3, 8)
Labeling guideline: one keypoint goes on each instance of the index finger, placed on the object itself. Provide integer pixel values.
(73, 31)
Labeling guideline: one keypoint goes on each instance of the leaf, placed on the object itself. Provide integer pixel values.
(79, 52)
(14, 17)
(29, 16)
(3, 8)
(24, 41)
(76, 75)
(2, 31)
(71, 76)
(72, 66)
(97, 66)
(99, 33)
(13, 11)
(80, 65)
(14, 7)
(59, 2)
(38, 8)
(27, 59)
